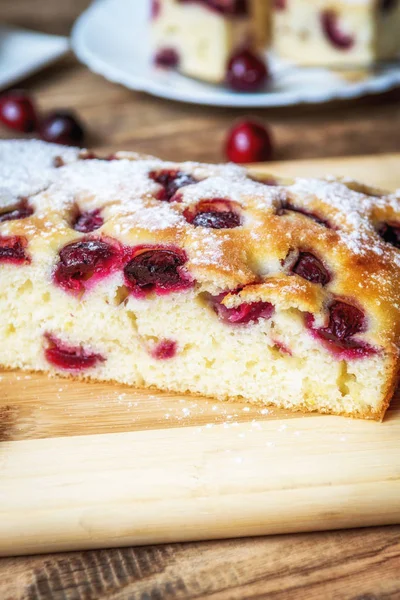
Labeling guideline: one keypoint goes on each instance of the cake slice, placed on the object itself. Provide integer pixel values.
(336, 33)
(199, 278)
(198, 37)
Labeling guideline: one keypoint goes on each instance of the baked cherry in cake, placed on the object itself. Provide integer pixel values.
(88, 221)
(331, 27)
(81, 260)
(311, 268)
(171, 181)
(244, 313)
(216, 213)
(345, 322)
(157, 269)
(390, 232)
(21, 210)
(69, 358)
(166, 57)
(164, 350)
(13, 249)
(287, 207)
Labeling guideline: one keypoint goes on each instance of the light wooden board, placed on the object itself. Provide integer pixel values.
(97, 465)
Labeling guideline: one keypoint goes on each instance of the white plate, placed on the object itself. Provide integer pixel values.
(24, 52)
(111, 37)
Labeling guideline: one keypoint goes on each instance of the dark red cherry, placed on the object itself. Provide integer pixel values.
(62, 127)
(157, 269)
(279, 4)
(248, 142)
(345, 321)
(390, 232)
(171, 181)
(242, 314)
(22, 210)
(13, 249)
(164, 350)
(70, 358)
(18, 111)
(331, 28)
(387, 5)
(88, 221)
(217, 220)
(167, 58)
(217, 213)
(246, 72)
(79, 261)
(287, 207)
(311, 268)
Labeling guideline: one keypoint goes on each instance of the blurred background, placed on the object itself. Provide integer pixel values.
(118, 118)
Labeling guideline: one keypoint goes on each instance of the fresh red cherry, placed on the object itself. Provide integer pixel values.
(311, 268)
(22, 210)
(79, 261)
(70, 358)
(157, 269)
(167, 58)
(216, 213)
(242, 314)
(88, 221)
(331, 28)
(62, 127)
(247, 142)
(246, 72)
(387, 5)
(171, 180)
(390, 232)
(18, 111)
(13, 249)
(164, 350)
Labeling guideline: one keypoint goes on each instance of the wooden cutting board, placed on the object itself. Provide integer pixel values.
(98, 465)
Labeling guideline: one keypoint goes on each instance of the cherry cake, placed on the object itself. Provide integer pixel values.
(336, 33)
(200, 37)
(199, 278)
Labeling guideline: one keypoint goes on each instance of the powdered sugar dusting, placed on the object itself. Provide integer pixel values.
(206, 248)
(353, 211)
(27, 166)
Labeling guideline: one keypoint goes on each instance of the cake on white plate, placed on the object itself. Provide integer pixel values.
(199, 37)
(197, 278)
(336, 32)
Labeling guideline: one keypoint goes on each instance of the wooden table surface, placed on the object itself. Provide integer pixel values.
(351, 565)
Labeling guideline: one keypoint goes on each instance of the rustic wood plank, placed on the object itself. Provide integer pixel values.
(344, 565)
(196, 483)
